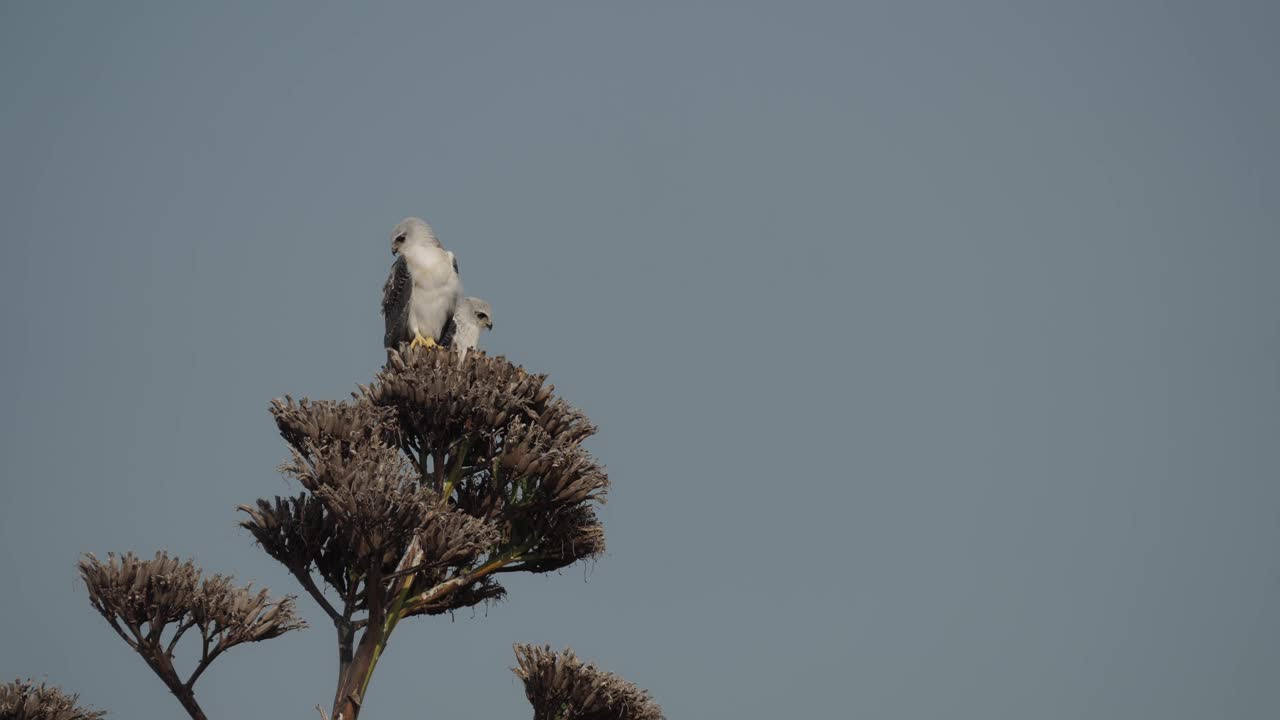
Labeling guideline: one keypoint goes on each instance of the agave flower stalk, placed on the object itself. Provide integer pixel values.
(420, 490)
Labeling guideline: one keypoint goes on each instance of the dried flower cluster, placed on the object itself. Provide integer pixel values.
(144, 596)
(417, 492)
(421, 488)
(301, 534)
(24, 700)
(142, 599)
(473, 462)
(493, 438)
(562, 687)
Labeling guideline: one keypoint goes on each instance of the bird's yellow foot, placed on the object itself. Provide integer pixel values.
(420, 341)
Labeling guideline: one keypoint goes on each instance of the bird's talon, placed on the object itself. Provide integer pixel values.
(425, 342)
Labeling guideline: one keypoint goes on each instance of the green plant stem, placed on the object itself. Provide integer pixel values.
(456, 472)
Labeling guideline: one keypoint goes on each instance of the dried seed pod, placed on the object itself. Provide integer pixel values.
(24, 700)
(562, 687)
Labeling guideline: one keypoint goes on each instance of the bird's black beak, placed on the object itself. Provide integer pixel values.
(396, 245)
(489, 324)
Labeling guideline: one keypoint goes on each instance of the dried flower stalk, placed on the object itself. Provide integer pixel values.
(143, 599)
(421, 489)
(417, 493)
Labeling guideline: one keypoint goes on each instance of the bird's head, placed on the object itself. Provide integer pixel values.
(480, 310)
(412, 232)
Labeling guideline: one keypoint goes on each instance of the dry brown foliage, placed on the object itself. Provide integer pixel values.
(151, 604)
(24, 700)
(562, 687)
(416, 494)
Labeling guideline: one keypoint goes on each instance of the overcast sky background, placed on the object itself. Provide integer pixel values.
(934, 345)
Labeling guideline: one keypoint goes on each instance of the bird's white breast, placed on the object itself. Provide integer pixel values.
(466, 335)
(436, 289)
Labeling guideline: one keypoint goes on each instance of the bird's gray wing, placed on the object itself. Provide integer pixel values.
(450, 325)
(395, 304)
(450, 330)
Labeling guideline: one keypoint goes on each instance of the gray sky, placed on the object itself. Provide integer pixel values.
(933, 344)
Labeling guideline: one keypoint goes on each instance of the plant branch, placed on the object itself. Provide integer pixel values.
(305, 579)
(356, 679)
(204, 664)
(426, 598)
(160, 664)
(123, 636)
(437, 466)
(456, 472)
(173, 642)
(400, 590)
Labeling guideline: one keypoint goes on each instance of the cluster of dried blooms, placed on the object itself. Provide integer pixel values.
(417, 493)
(493, 439)
(473, 461)
(24, 700)
(562, 687)
(422, 488)
(153, 603)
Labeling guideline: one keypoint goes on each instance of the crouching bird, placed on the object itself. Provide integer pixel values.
(423, 288)
(462, 333)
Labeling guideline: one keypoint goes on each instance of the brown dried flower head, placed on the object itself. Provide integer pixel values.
(494, 439)
(562, 687)
(301, 534)
(325, 423)
(141, 599)
(368, 487)
(468, 461)
(24, 700)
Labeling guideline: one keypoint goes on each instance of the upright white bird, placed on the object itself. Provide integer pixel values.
(423, 288)
(471, 317)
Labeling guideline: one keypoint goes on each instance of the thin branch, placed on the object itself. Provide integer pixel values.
(162, 667)
(119, 631)
(414, 455)
(346, 636)
(305, 579)
(173, 642)
(455, 474)
(204, 665)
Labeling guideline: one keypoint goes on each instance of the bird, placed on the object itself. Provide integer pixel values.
(423, 288)
(472, 316)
